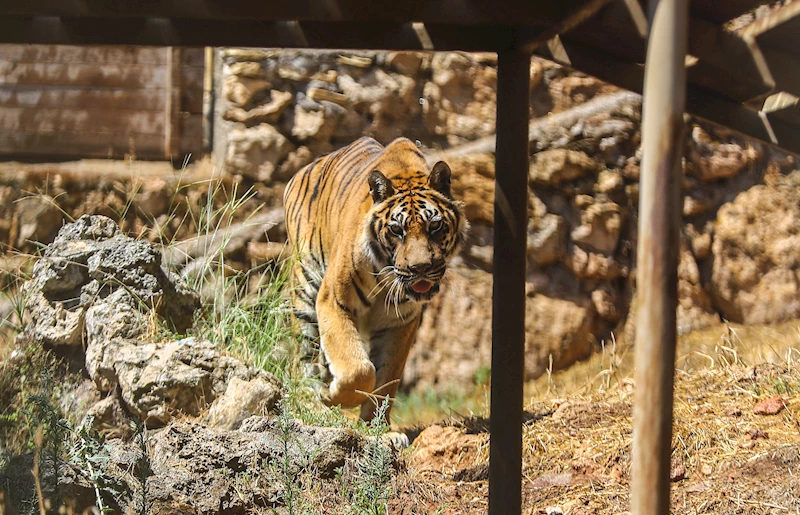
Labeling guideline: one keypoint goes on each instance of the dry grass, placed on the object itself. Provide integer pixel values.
(726, 458)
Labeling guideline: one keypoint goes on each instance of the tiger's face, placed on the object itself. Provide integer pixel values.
(413, 228)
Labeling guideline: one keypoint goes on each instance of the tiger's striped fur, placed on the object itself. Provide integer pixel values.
(374, 228)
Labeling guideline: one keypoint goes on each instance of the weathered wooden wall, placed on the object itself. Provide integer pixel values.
(100, 101)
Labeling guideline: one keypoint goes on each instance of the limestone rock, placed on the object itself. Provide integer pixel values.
(609, 181)
(559, 328)
(317, 125)
(473, 183)
(756, 269)
(158, 380)
(88, 261)
(256, 152)
(600, 227)
(269, 112)
(547, 241)
(456, 333)
(554, 166)
(196, 469)
(296, 160)
(241, 400)
(407, 63)
(39, 218)
(459, 101)
(695, 310)
(712, 160)
(242, 90)
(249, 69)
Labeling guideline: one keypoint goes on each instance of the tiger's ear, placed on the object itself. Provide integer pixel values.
(440, 178)
(379, 186)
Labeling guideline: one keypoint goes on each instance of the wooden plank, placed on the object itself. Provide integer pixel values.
(172, 112)
(778, 30)
(95, 120)
(615, 30)
(784, 68)
(183, 32)
(82, 54)
(194, 57)
(84, 144)
(121, 76)
(192, 88)
(769, 129)
(729, 64)
(191, 136)
(720, 11)
(12, 95)
(459, 12)
(657, 257)
(508, 290)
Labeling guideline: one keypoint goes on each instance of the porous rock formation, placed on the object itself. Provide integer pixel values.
(204, 444)
(583, 182)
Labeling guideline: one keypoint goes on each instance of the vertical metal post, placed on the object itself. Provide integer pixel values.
(657, 263)
(508, 294)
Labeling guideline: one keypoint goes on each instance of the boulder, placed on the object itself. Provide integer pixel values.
(243, 399)
(197, 469)
(459, 101)
(547, 241)
(554, 166)
(158, 380)
(256, 152)
(38, 220)
(755, 277)
(601, 224)
(89, 261)
(695, 309)
(712, 160)
(241, 90)
(455, 333)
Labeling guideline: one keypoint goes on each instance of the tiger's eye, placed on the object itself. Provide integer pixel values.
(435, 225)
(396, 229)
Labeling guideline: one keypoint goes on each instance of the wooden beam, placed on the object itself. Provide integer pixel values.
(508, 291)
(768, 128)
(460, 12)
(192, 32)
(657, 256)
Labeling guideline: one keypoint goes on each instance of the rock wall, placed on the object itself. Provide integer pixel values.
(280, 109)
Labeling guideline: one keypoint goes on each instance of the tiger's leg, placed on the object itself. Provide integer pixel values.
(389, 354)
(349, 363)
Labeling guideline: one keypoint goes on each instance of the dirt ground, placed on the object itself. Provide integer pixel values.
(736, 435)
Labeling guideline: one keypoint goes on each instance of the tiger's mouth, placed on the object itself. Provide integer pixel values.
(422, 289)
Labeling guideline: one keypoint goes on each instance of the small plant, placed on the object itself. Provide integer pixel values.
(370, 483)
(288, 468)
(89, 454)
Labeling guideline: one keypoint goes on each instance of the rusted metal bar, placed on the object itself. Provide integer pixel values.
(657, 262)
(508, 294)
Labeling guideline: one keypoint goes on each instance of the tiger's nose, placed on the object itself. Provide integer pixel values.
(420, 268)
(425, 267)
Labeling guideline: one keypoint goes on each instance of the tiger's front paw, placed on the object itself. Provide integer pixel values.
(347, 386)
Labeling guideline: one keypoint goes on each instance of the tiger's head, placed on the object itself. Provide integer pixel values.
(413, 228)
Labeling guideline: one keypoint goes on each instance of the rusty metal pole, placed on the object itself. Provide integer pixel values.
(508, 293)
(657, 262)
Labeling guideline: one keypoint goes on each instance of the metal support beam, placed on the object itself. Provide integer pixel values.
(657, 261)
(508, 294)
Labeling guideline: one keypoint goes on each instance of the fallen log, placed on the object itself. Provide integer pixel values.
(230, 240)
(556, 130)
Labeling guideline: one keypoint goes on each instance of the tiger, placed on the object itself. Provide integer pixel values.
(373, 228)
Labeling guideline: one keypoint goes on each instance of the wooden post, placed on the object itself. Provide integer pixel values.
(508, 294)
(657, 263)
